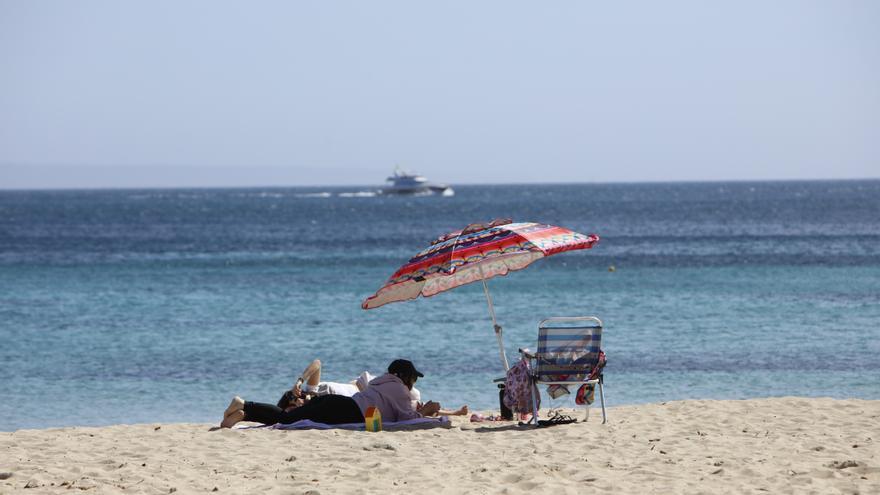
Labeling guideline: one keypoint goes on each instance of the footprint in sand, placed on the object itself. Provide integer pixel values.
(512, 478)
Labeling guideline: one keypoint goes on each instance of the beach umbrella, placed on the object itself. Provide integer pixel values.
(475, 254)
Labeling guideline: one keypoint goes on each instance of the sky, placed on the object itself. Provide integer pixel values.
(288, 93)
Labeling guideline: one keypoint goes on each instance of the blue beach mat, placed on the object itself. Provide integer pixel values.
(410, 424)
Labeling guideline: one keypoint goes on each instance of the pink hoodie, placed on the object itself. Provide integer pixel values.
(390, 395)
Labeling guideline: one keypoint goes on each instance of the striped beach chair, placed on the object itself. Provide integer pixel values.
(569, 353)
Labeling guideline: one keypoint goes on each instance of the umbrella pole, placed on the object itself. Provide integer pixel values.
(495, 325)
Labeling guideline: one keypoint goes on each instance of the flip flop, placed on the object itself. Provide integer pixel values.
(558, 419)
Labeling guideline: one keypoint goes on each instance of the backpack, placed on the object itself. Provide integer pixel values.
(518, 388)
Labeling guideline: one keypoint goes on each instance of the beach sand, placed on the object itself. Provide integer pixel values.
(778, 445)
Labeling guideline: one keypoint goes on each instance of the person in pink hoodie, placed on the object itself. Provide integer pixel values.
(390, 393)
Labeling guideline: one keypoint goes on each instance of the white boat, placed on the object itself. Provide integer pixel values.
(405, 183)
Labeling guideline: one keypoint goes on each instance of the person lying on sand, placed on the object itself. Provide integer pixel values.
(390, 393)
(309, 385)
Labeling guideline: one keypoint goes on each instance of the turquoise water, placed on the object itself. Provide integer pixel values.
(159, 305)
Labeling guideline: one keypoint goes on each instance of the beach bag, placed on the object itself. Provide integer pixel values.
(518, 388)
(586, 394)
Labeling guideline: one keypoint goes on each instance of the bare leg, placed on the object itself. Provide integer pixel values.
(310, 378)
(461, 411)
(311, 375)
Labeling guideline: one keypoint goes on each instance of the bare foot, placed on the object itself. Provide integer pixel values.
(237, 404)
(233, 418)
(462, 411)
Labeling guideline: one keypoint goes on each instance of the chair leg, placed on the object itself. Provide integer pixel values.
(602, 400)
(535, 393)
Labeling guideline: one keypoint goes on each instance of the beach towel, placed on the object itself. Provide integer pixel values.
(409, 424)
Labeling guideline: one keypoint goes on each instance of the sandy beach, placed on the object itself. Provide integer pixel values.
(778, 445)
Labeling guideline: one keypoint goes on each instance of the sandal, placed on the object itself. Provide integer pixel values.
(557, 419)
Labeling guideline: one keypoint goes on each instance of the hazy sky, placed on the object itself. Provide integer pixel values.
(171, 93)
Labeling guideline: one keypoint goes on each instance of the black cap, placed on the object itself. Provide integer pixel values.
(403, 367)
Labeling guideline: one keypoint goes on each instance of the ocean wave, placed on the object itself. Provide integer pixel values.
(314, 195)
(358, 194)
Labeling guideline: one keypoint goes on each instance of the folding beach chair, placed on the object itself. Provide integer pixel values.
(569, 353)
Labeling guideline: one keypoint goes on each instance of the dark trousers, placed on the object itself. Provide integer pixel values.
(329, 409)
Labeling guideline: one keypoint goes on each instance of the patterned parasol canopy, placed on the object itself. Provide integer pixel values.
(477, 252)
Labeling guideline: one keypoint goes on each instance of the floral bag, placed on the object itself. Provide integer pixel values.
(518, 388)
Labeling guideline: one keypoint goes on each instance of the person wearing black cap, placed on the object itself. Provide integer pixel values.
(390, 393)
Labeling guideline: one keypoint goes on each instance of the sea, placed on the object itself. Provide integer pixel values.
(160, 305)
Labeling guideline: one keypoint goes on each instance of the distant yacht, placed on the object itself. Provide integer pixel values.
(405, 183)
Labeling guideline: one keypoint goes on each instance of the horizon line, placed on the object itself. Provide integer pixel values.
(465, 184)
